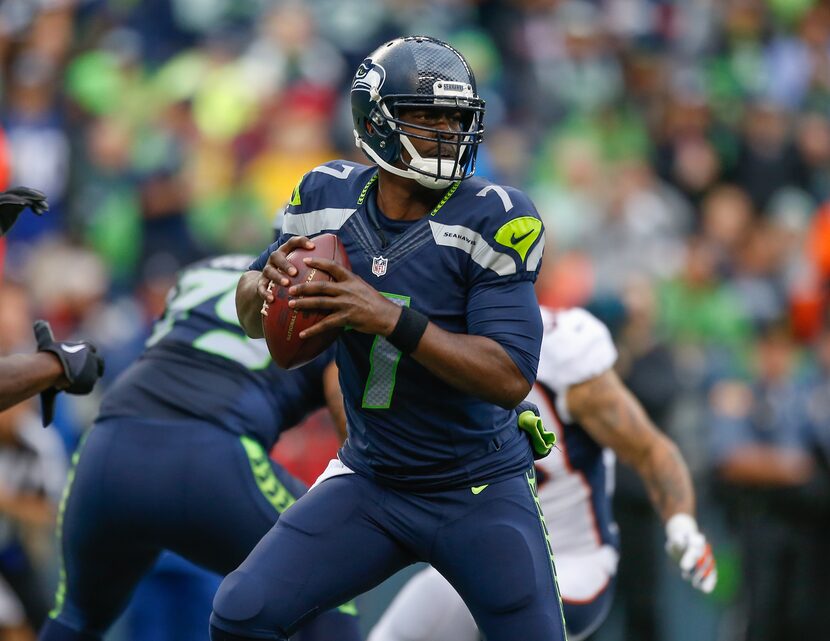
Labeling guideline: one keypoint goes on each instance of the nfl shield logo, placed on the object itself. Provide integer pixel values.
(379, 265)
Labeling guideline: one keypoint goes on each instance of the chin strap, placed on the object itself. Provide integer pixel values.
(432, 182)
(431, 166)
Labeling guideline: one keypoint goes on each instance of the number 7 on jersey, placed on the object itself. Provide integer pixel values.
(383, 366)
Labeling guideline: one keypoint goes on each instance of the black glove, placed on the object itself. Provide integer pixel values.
(529, 421)
(15, 200)
(81, 365)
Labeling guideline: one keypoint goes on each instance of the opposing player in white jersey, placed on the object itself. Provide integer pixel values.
(596, 419)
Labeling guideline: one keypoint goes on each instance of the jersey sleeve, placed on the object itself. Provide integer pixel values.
(512, 239)
(576, 347)
(508, 313)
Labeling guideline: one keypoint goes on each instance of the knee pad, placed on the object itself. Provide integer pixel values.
(240, 597)
(53, 630)
(240, 606)
(239, 611)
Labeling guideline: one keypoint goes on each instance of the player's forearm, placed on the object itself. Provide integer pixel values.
(473, 364)
(614, 418)
(667, 479)
(24, 375)
(249, 304)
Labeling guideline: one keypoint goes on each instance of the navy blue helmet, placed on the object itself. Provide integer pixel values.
(417, 72)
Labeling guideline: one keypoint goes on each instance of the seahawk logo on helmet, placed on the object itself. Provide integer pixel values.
(417, 72)
(369, 77)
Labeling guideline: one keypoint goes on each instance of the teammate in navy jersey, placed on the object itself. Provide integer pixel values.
(594, 417)
(178, 458)
(441, 342)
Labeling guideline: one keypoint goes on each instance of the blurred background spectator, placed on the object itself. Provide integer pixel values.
(763, 457)
(678, 152)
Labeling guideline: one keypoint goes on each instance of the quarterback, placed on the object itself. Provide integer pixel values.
(441, 342)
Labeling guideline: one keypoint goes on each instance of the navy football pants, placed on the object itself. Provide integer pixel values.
(138, 487)
(348, 534)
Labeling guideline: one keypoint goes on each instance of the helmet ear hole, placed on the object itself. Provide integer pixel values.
(376, 124)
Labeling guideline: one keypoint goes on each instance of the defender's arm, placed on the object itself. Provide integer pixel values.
(614, 418)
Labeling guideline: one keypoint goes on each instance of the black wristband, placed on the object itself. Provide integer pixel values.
(408, 330)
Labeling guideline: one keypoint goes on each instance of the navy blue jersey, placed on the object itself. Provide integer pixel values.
(469, 266)
(200, 365)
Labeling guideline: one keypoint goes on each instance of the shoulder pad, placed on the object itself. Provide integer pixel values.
(325, 197)
(576, 347)
(502, 228)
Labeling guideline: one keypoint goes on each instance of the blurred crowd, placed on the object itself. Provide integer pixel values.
(678, 152)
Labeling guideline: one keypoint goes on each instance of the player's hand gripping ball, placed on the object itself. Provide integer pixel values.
(282, 324)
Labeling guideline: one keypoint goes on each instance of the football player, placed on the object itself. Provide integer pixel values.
(594, 417)
(178, 459)
(70, 367)
(441, 342)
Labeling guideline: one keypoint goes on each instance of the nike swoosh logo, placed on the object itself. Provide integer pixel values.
(516, 241)
(479, 488)
(72, 349)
